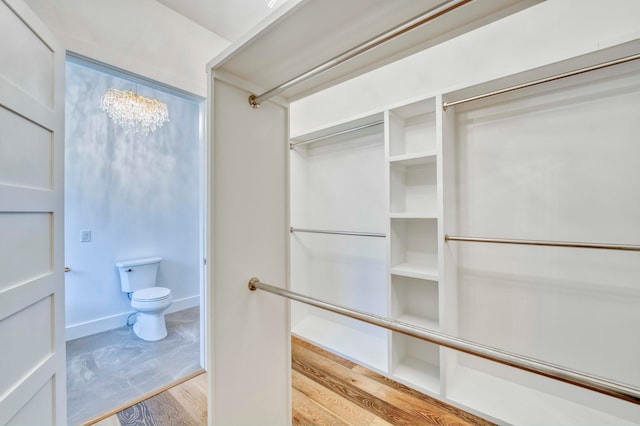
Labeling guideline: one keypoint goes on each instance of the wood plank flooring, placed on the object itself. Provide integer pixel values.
(184, 404)
(331, 390)
(326, 390)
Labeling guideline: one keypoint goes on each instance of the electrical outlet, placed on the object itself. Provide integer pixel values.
(85, 236)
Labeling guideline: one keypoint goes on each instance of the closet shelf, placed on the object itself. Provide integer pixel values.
(413, 159)
(351, 343)
(413, 215)
(418, 373)
(334, 232)
(415, 271)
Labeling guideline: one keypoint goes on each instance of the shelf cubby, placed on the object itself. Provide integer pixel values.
(416, 362)
(414, 248)
(412, 129)
(415, 301)
(413, 187)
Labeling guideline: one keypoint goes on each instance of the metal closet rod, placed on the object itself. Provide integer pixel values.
(341, 132)
(446, 105)
(446, 7)
(543, 368)
(320, 231)
(543, 243)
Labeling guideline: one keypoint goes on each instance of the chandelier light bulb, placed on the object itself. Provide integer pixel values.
(134, 112)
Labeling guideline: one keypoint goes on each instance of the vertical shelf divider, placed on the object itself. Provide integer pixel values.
(390, 131)
(414, 192)
(447, 213)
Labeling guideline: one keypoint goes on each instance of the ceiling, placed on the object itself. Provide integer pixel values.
(230, 19)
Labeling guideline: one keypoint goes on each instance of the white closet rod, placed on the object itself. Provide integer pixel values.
(543, 243)
(532, 365)
(341, 132)
(446, 105)
(320, 231)
(397, 31)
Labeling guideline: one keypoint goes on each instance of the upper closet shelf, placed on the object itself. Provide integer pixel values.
(347, 130)
(298, 46)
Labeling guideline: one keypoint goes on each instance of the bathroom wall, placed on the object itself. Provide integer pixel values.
(138, 195)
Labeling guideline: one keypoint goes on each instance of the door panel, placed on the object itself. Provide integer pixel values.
(26, 252)
(38, 410)
(25, 152)
(32, 361)
(28, 64)
(22, 354)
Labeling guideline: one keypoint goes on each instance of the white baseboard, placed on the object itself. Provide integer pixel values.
(88, 328)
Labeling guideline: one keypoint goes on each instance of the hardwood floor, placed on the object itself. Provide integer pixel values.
(331, 390)
(182, 405)
(326, 390)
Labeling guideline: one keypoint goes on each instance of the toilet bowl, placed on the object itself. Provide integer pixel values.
(138, 279)
(151, 303)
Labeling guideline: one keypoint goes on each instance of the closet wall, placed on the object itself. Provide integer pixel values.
(337, 185)
(552, 162)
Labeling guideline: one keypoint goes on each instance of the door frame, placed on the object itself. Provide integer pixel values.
(203, 165)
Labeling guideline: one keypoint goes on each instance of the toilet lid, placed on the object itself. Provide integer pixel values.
(151, 294)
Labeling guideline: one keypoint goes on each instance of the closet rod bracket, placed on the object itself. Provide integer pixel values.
(253, 103)
(252, 283)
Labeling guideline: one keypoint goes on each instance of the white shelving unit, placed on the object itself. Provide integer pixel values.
(488, 168)
(413, 241)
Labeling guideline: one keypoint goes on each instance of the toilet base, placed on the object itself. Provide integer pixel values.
(150, 326)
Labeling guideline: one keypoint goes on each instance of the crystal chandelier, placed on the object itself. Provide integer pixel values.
(134, 112)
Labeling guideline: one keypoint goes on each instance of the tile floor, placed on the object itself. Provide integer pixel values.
(110, 369)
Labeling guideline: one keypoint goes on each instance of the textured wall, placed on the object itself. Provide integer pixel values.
(137, 194)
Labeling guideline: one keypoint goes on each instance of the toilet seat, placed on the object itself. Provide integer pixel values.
(151, 294)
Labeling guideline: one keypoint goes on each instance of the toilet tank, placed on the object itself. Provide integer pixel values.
(137, 274)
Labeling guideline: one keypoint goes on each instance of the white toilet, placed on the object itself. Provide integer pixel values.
(138, 278)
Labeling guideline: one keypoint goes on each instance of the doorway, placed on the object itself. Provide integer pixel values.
(129, 196)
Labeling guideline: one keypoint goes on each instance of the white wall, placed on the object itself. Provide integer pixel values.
(548, 32)
(142, 36)
(138, 195)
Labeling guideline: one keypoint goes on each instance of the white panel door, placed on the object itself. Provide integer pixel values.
(32, 359)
